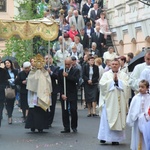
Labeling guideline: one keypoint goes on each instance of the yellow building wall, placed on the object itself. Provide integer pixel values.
(130, 25)
(9, 14)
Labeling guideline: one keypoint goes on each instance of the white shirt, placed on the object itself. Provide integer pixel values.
(90, 73)
(59, 57)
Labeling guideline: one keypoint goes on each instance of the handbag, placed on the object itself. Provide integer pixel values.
(10, 93)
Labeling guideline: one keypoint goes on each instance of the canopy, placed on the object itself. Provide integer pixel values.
(47, 29)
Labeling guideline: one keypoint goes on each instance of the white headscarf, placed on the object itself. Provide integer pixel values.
(26, 64)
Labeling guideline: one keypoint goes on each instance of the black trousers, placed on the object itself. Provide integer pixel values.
(1, 111)
(24, 104)
(52, 109)
(65, 115)
(10, 106)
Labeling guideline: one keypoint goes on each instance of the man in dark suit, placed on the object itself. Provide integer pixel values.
(95, 14)
(53, 71)
(99, 39)
(72, 77)
(94, 51)
(84, 39)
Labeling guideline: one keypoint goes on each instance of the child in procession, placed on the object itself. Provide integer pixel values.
(138, 118)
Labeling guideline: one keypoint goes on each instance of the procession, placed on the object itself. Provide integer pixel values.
(78, 77)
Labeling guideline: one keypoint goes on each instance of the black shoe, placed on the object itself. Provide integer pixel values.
(115, 143)
(24, 120)
(74, 130)
(102, 141)
(89, 115)
(9, 120)
(32, 129)
(95, 115)
(40, 130)
(65, 131)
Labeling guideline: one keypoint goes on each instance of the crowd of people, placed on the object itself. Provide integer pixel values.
(78, 61)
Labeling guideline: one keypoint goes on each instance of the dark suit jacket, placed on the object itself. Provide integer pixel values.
(96, 52)
(95, 77)
(21, 77)
(86, 8)
(98, 41)
(14, 71)
(92, 30)
(85, 41)
(94, 16)
(54, 77)
(71, 83)
(3, 83)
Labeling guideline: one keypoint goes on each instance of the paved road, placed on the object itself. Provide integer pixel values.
(15, 137)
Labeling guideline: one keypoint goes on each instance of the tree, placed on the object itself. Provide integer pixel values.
(23, 50)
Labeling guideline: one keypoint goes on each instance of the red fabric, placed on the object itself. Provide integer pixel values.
(149, 111)
(72, 34)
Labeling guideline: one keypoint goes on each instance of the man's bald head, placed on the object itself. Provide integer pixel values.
(75, 12)
(68, 62)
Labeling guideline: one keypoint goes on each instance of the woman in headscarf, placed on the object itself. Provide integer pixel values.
(22, 81)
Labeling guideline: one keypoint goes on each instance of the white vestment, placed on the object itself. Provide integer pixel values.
(109, 56)
(113, 103)
(145, 74)
(139, 122)
(135, 76)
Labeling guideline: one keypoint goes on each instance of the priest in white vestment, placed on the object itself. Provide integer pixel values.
(145, 75)
(113, 104)
(138, 118)
(135, 75)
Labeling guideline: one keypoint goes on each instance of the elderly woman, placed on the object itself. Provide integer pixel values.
(78, 45)
(72, 32)
(94, 51)
(110, 54)
(91, 78)
(22, 81)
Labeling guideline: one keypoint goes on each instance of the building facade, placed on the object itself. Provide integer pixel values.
(129, 22)
(8, 9)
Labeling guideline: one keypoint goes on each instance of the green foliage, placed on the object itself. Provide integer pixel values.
(21, 49)
(25, 49)
(27, 10)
